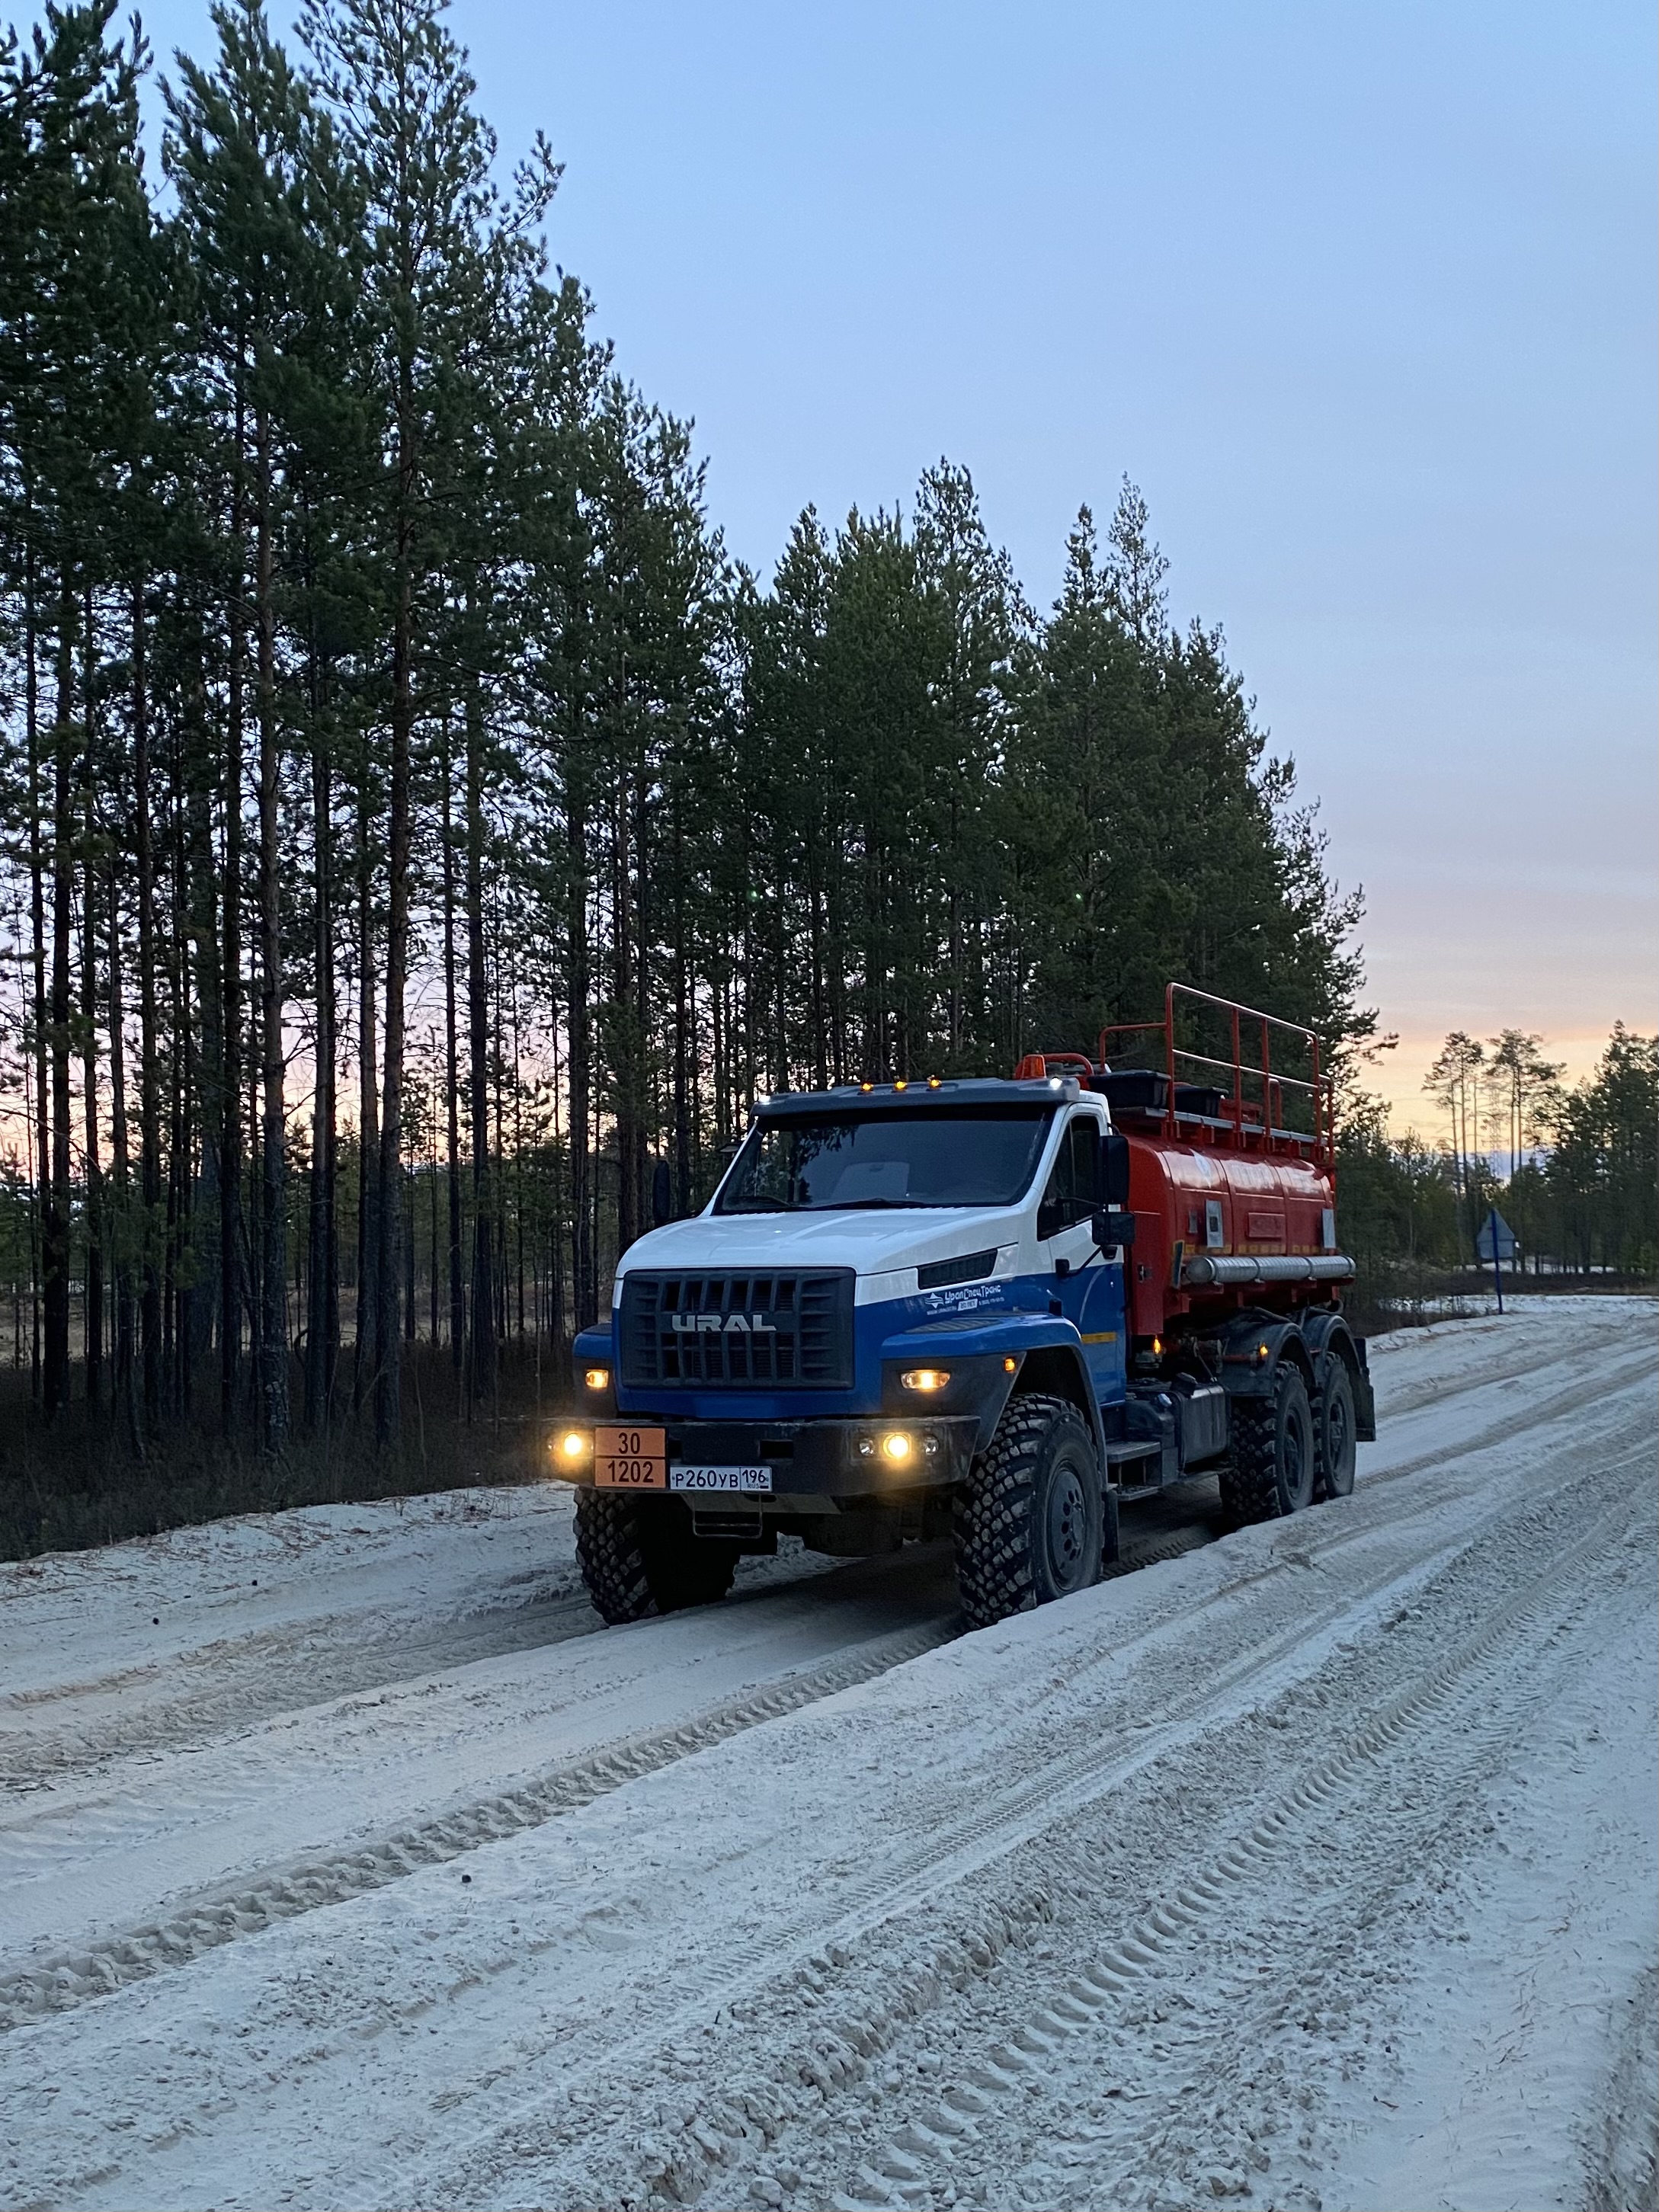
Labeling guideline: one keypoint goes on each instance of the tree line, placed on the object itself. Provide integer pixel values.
(422, 837)
(1579, 1176)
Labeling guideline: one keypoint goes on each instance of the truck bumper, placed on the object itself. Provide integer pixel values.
(826, 1458)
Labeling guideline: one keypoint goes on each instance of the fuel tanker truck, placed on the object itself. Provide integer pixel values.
(990, 1311)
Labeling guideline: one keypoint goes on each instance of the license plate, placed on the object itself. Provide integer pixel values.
(719, 1478)
(630, 1459)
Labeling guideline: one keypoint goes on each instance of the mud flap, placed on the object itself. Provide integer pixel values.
(1364, 1406)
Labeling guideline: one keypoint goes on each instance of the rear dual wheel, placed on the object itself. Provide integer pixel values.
(1273, 1465)
(640, 1555)
(1337, 1431)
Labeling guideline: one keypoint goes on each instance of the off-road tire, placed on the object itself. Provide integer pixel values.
(1270, 1470)
(1029, 1522)
(636, 1555)
(1336, 1430)
(608, 1549)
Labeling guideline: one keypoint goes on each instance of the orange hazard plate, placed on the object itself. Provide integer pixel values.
(630, 1459)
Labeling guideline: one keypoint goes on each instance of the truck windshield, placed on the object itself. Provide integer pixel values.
(936, 1156)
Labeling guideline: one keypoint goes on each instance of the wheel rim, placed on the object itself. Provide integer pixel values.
(1293, 1462)
(1068, 1527)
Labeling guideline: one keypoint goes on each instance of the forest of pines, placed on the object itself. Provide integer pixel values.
(423, 838)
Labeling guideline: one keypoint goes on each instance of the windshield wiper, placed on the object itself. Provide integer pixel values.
(751, 1205)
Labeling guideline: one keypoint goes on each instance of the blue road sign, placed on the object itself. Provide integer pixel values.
(1497, 1240)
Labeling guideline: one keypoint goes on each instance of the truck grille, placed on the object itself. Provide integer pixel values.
(739, 1331)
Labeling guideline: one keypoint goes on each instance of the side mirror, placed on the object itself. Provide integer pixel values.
(1113, 1227)
(1115, 1170)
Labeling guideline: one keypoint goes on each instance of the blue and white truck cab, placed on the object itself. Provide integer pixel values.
(902, 1316)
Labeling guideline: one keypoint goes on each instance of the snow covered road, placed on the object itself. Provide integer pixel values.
(343, 1863)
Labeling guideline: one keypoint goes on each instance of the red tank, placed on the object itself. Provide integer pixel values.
(1231, 1165)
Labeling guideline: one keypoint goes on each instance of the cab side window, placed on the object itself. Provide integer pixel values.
(1073, 1189)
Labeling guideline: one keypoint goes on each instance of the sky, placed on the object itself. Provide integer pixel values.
(1363, 298)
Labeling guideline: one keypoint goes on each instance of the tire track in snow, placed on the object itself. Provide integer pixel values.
(276, 1672)
(289, 1668)
(1477, 1679)
(951, 1847)
(917, 2157)
(362, 2108)
(267, 1674)
(244, 1908)
(259, 1899)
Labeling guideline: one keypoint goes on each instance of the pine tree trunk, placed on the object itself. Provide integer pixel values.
(682, 1035)
(368, 1154)
(407, 1177)
(273, 1180)
(126, 1376)
(583, 1281)
(230, 1003)
(387, 1411)
(42, 1130)
(451, 1083)
(55, 1382)
(149, 1089)
(322, 1270)
(181, 1275)
(95, 1200)
(481, 1367)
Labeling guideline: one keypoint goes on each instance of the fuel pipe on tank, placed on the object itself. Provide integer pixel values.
(1316, 1267)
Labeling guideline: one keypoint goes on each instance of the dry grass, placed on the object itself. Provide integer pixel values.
(77, 1482)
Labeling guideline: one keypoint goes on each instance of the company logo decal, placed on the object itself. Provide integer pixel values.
(972, 1297)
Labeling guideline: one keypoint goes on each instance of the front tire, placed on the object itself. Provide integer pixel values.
(1272, 1467)
(638, 1553)
(1029, 1519)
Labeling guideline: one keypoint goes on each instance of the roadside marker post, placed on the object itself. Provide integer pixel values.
(1496, 1242)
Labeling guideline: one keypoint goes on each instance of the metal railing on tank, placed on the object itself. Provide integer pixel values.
(1261, 1107)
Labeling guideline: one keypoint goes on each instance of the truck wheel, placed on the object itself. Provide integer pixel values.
(636, 1555)
(612, 1564)
(1028, 1522)
(1271, 1471)
(1336, 1430)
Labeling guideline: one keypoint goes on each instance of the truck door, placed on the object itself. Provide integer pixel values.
(1090, 1291)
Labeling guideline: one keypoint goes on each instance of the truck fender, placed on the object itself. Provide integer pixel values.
(1055, 1371)
(593, 1347)
(1048, 1356)
(1330, 1338)
(1253, 1350)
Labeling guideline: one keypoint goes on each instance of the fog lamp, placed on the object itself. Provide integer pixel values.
(574, 1445)
(925, 1378)
(597, 1379)
(898, 1448)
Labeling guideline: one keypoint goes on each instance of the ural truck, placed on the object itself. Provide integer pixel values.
(981, 1309)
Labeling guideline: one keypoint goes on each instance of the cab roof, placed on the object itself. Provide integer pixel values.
(944, 1092)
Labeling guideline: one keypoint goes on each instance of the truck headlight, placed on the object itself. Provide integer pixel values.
(597, 1379)
(898, 1447)
(572, 1446)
